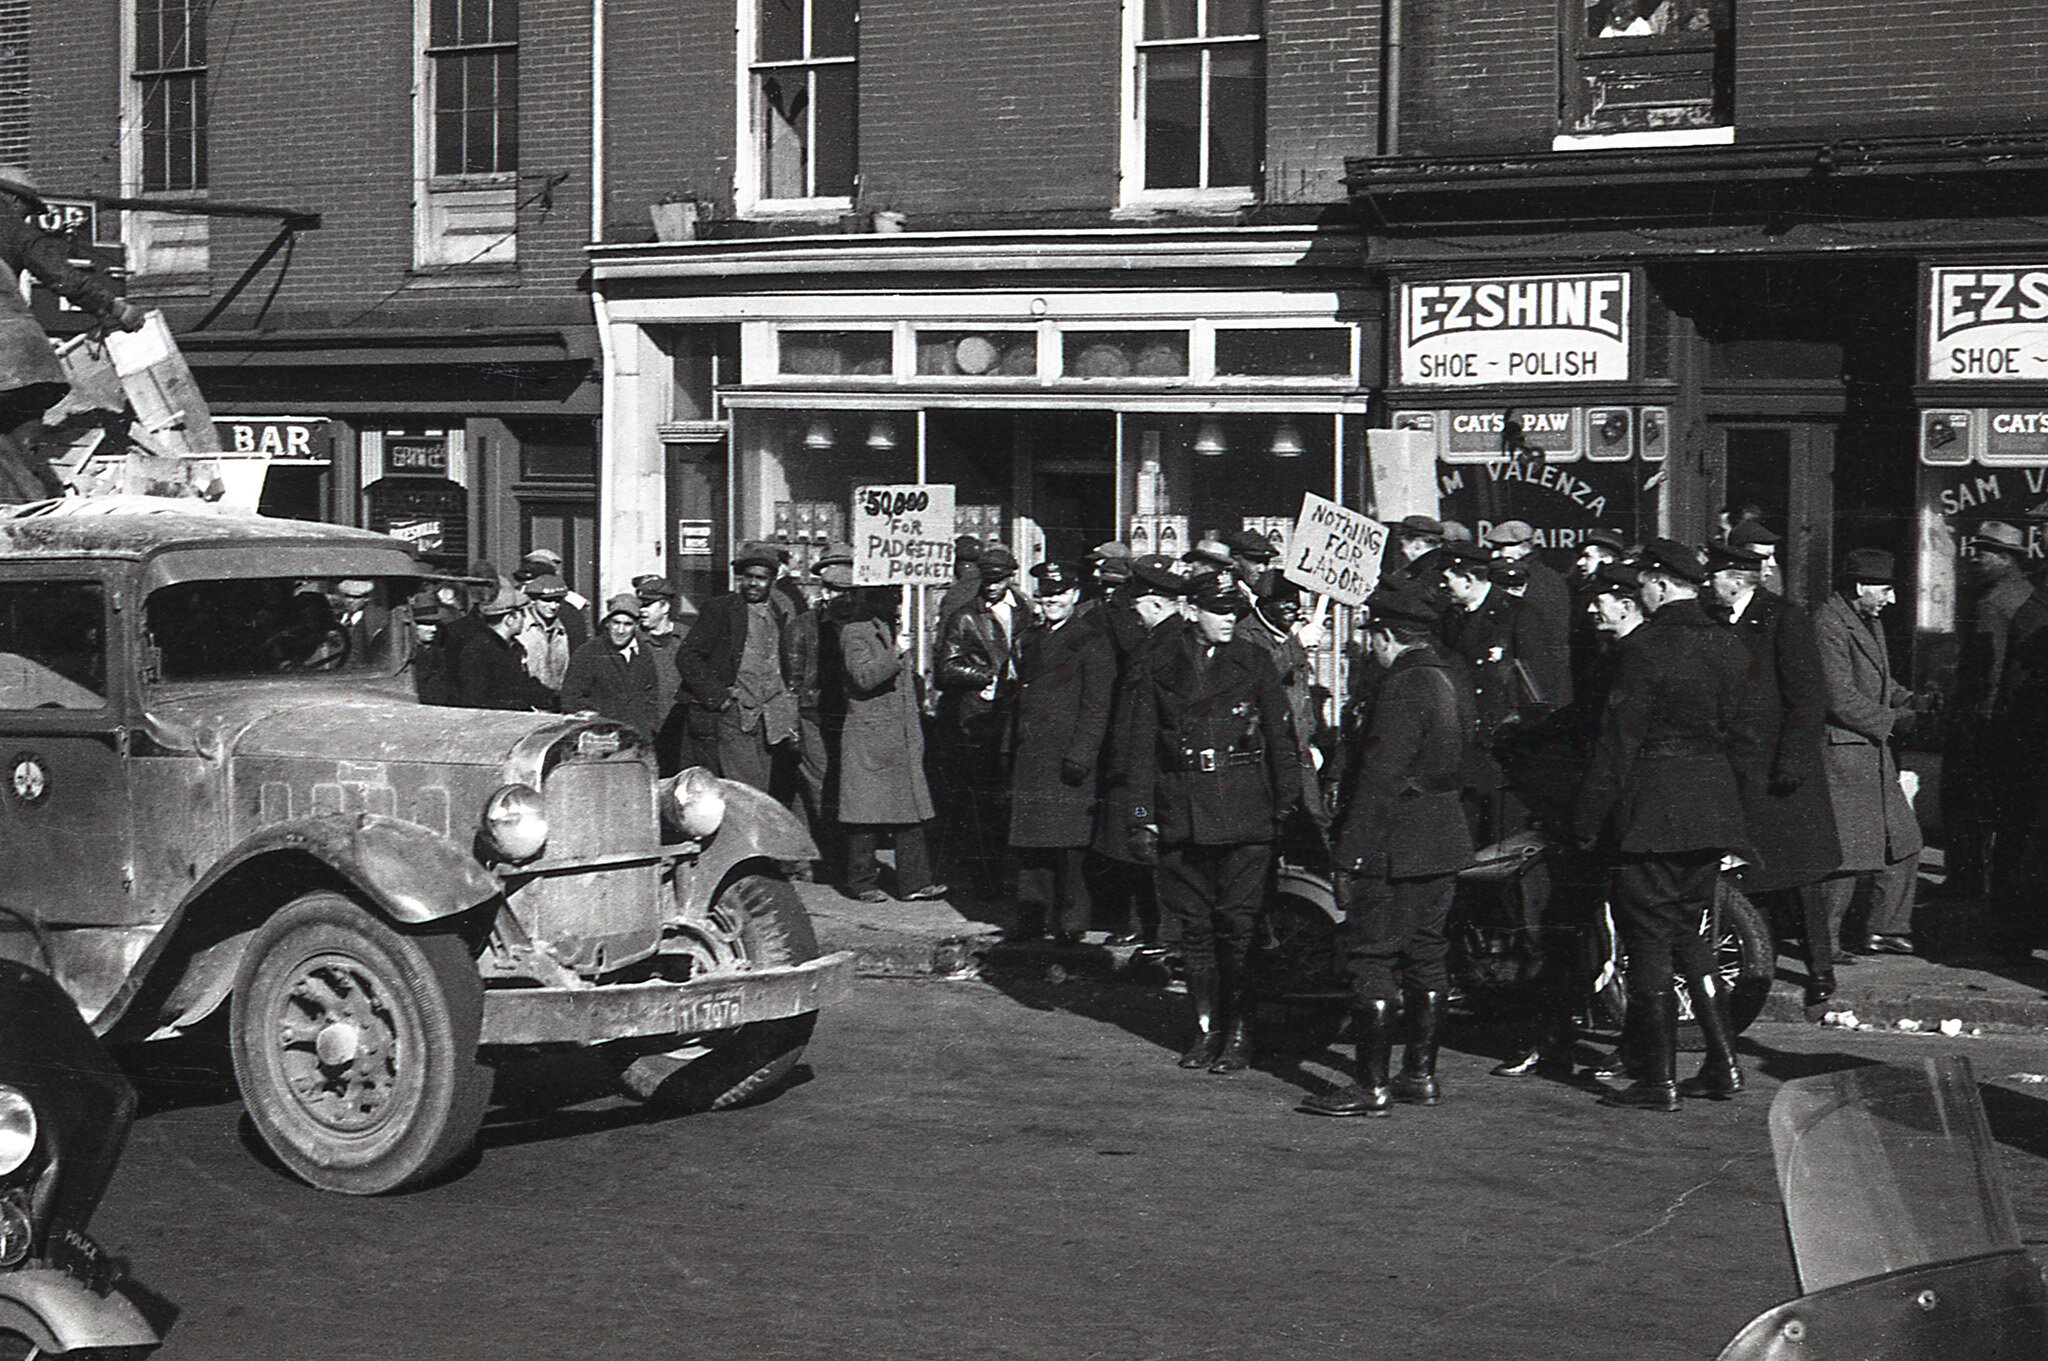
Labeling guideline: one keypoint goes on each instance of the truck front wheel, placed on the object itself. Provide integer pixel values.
(355, 1046)
(729, 1067)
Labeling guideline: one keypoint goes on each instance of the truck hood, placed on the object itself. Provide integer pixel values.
(343, 723)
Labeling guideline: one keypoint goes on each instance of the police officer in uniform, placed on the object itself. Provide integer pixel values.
(1209, 789)
(1663, 796)
(1400, 841)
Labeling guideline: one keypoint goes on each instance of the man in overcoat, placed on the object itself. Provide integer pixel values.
(1880, 837)
(733, 675)
(1662, 797)
(1543, 634)
(660, 637)
(1400, 840)
(1066, 676)
(878, 784)
(1212, 770)
(491, 673)
(1973, 761)
(1480, 629)
(1784, 785)
(614, 673)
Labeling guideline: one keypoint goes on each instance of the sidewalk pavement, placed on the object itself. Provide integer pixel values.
(1965, 989)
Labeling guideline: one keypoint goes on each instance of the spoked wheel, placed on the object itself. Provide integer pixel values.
(1745, 957)
(725, 1068)
(1301, 995)
(355, 1046)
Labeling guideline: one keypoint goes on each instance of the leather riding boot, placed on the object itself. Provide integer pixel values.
(1371, 1094)
(1554, 1034)
(1236, 1054)
(1720, 1077)
(1654, 1020)
(1416, 1085)
(1205, 996)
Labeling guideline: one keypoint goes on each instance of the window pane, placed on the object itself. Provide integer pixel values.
(178, 124)
(1307, 352)
(1173, 119)
(785, 109)
(1234, 17)
(149, 44)
(1124, 354)
(508, 112)
(835, 131)
(505, 21)
(441, 23)
(1170, 18)
(832, 28)
(1237, 108)
(474, 23)
(52, 646)
(978, 354)
(195, 34)
(782, 30)
(837, 353)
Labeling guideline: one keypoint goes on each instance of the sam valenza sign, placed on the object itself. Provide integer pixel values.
(1988, 323)
(1553, 328)
(902, 534)
(1334, 551)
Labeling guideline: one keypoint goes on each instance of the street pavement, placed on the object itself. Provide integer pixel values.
(1016, 1168)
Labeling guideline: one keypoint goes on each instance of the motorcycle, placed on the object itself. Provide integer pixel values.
(65, 1112)
(1901, 1223)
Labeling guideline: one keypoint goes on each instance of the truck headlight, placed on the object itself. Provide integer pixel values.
(695, 805)
(516, 822)
(17, 1129)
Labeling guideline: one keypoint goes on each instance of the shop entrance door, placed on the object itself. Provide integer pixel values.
(1785, 470)
(1073, 503)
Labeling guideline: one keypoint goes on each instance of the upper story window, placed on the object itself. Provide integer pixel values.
(465, 210)
(1198, 107)
(801, 74)
(473, 59)
(1657, 69)
(169, 72)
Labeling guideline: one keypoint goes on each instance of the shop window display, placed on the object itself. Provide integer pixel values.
(1295, 352)
(1124, 354)
(835, 353)
(977, 354)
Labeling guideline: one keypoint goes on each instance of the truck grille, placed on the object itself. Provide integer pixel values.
(600, 808)
(607, 916)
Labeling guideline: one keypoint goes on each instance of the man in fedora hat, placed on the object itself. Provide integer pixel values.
(1880, 838)
(1995, 563)
(733, 675)
(31, 379)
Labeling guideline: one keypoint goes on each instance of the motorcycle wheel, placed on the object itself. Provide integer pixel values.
(355, 1046)
(1745, 956)
(729, 1067)
(1300, 997)
(19, 1347)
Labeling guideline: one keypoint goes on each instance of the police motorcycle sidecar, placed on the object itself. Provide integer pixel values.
(1901, 1224)
(65, 1111)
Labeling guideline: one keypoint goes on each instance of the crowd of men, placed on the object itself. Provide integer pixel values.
(1132, 736)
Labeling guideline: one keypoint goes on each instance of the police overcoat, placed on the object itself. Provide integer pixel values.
(1402, 816)
(1220, 746)
(1873, 821)
(1784, 788)
(1485, 640)
(1113, 821)
(1066, 678)
(1679, 720)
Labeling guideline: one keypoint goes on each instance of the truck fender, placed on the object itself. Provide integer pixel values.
(756, 827)
(411, 874)
(59, 1314)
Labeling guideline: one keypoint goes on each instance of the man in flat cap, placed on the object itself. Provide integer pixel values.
(1107, 597)
(1662, 798)
(660, 638)
(965, 587)
(732, 669)
(1066, 680)
(575, 609)
(1543, 636)
(1413, 536)
(819, 680)
(1124, 871)
(1878, 833)
(1213, 770)
(543, 633)
(613, 674)
(977, 676)
(1994, 568)
(1754, 534)
(1399, 841)
(491, 672)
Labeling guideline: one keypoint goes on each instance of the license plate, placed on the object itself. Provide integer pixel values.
(714, 1011)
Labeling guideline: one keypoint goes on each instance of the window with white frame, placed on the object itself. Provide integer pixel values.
(801, 74)
(165, 116)
(1198, 98)
(468, 140)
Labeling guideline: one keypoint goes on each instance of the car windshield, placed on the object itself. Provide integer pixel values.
(276, 626)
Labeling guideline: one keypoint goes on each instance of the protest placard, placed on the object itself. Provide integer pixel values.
(1334, 551)
(902, 534)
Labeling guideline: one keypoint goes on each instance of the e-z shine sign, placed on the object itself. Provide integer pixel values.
(1552, 328)
(1988, 324)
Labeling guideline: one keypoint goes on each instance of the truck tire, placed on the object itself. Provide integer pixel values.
(730, 1067)
(355, 1046)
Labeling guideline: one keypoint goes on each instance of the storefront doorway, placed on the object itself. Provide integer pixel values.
(1783, 473)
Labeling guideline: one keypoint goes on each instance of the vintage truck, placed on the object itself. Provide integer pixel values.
(212, 799)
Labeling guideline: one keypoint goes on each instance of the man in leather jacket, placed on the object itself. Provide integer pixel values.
(977, 676)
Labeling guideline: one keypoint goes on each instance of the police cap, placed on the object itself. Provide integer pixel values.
(1674, 559)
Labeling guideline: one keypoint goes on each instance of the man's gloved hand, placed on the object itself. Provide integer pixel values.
(1783, 784)
(1074, 772)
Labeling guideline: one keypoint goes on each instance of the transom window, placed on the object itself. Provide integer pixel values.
(473, 62)
(170, 76)
(1201, 93)
(805, 98)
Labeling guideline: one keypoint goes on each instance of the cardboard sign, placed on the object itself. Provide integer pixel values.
(902, 535)
(1334, 551)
